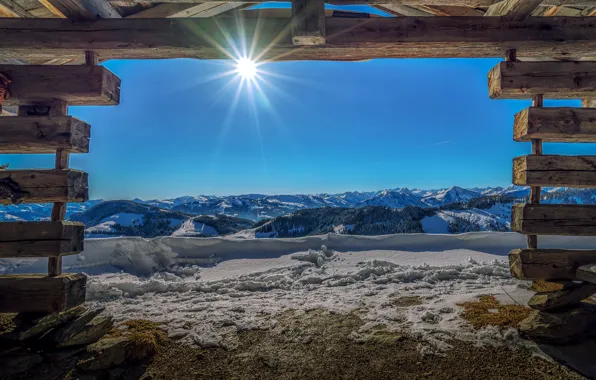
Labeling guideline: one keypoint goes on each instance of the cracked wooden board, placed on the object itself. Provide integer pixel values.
(43, 134)
(43, 186)
(554, 171)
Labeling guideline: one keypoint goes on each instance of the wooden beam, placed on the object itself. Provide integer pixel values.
(308, 22)
(458, 3)
(10, 8)
(587, 272)
(175, 10)
(403, 10)
(513, 9)
(43, 186)
(228, 7)
(554, 171)
(81, 9)
(554, 219)
(43, 134)
(40, 293)
(77, 85)
(548, 264)
(565, 124)
(589, 102)
(40, 239)
(558, 80)
(451, 10)
(347, 39)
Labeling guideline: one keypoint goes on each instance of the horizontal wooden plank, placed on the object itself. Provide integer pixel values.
(550, 124)
(41, 293)
(348, 39)
(553, 171)
(41, 239)
(557, 80)
(43, 186)
(548, 264)
(77, 84)
(551, 219)
(43, 134)
(587, 272)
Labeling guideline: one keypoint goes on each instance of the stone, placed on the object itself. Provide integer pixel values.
(91, 332)
(29, 325)
(106, 353)
(59, 355)
(65, 332)
(562, 327)
(17, 363)
(563, 298)
(541, 286)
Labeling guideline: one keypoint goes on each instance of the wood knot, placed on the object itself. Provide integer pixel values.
(11, 190)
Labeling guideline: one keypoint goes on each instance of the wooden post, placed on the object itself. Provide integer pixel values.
(537, 101)
(58, 213)
(91, 58)
(308, 22)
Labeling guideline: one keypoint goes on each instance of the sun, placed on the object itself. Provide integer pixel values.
(246, 68)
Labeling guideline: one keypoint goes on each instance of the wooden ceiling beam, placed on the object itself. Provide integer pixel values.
(9, 8)
(175, 10)
(513, 9)
(81, 9)
(347, 39)
(403, 10)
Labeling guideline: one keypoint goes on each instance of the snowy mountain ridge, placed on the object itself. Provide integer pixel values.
(260, 206)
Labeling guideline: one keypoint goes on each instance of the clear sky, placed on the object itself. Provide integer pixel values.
(313, 127)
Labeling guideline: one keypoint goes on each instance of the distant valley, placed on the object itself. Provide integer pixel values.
(452, 210)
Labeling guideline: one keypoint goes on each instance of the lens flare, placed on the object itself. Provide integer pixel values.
(246, 68)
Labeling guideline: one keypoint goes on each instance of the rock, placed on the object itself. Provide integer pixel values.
(106, 353)
(571, 296)
(63, 333)
(29, 325)
(541, 286)
(91, 332)
(59, 355)
(13, 364)
(115, 373)
(561, 327)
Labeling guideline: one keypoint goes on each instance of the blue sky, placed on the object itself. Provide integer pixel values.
(315, 127)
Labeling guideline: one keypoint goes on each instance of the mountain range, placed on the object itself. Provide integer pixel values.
(455, 209)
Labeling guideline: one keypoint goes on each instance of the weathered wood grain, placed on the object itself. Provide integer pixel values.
(553, 171)
(43, 134)
(587, 272)
(557, 80)
(548, 264)
(513, 9)
(81, 9)
(308, 22)
(40, 239)
(40, 293)
(43, 186)
(554, 219)
(346, 39)
(77, 85)
(565, 124)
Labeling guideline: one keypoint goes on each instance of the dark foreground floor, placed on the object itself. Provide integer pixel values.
(319, 347)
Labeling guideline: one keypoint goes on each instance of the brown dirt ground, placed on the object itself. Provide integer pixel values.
(316, 346)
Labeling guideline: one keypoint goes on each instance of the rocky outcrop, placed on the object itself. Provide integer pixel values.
(561, 327)
(78, 343)
(563, 298)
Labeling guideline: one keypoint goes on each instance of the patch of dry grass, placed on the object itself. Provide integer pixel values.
(145, 337)
(487, 311)
(7, 322)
